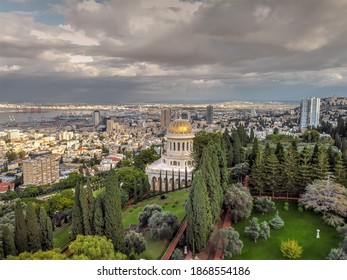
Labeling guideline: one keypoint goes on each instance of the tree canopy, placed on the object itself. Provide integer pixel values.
(326, 197)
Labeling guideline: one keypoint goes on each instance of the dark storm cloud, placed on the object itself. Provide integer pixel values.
(68, 90)
(286, 33)
(155, 50)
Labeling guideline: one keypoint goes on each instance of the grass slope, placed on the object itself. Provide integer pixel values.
(301, 226)
(173, 203)
(61, 236)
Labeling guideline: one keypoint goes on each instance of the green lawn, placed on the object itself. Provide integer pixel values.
(299, 226)
(154, 248)
(131, 215)
(61, 236)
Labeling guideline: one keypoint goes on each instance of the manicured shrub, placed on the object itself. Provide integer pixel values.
(291, 249)
(276, 222)
(286, 208)
(264, 232)
(177, 255)
(300, 208)
(264, 205)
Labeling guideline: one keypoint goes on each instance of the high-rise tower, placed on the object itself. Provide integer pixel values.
(96, 117)
(165, 117)
(309, 112)
(209, 115)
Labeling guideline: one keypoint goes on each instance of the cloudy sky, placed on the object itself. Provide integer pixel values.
(107, 51)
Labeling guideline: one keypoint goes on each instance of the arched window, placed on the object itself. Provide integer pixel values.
(183, 146)
(170, 147)
(187, 146)
(174, 144)
(178, 146)
(175, 162)
(179, 163)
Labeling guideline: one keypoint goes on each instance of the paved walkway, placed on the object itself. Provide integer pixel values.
(174, 242)
(210, 252)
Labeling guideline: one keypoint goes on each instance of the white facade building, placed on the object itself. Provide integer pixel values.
(176, 160)
(309, 112)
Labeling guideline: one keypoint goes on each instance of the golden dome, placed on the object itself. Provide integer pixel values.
(180, 127)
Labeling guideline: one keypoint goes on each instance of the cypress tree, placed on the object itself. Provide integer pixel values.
(210, 170)
(147, 186)
(179, 179)
(186, 177)
(254, 152)
(173, 180)
(160, 183)
(141, 187)
(87, 230)
(136, 199)
(33, 233)
(228, 147)
(113, 212)
(90, 201)
(20, 231)
(8, 246)
(77, 216)
(166, 182)
(279, 152)
(153, 186)
(221, 152)
(46, 230)
(236, 148)
(99, 219)
(198, 215)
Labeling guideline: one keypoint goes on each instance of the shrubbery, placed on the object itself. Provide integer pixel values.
(291, 249)
(264, 205)
(276, 222)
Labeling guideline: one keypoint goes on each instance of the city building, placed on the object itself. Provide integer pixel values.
(40, 171)
(253, 112)
(165, 117)
(13, 135)
(176, 161)
(209, 115)
(96, 117)
(109, 126)
(309, 112)
(185, 115)
(65, 135)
